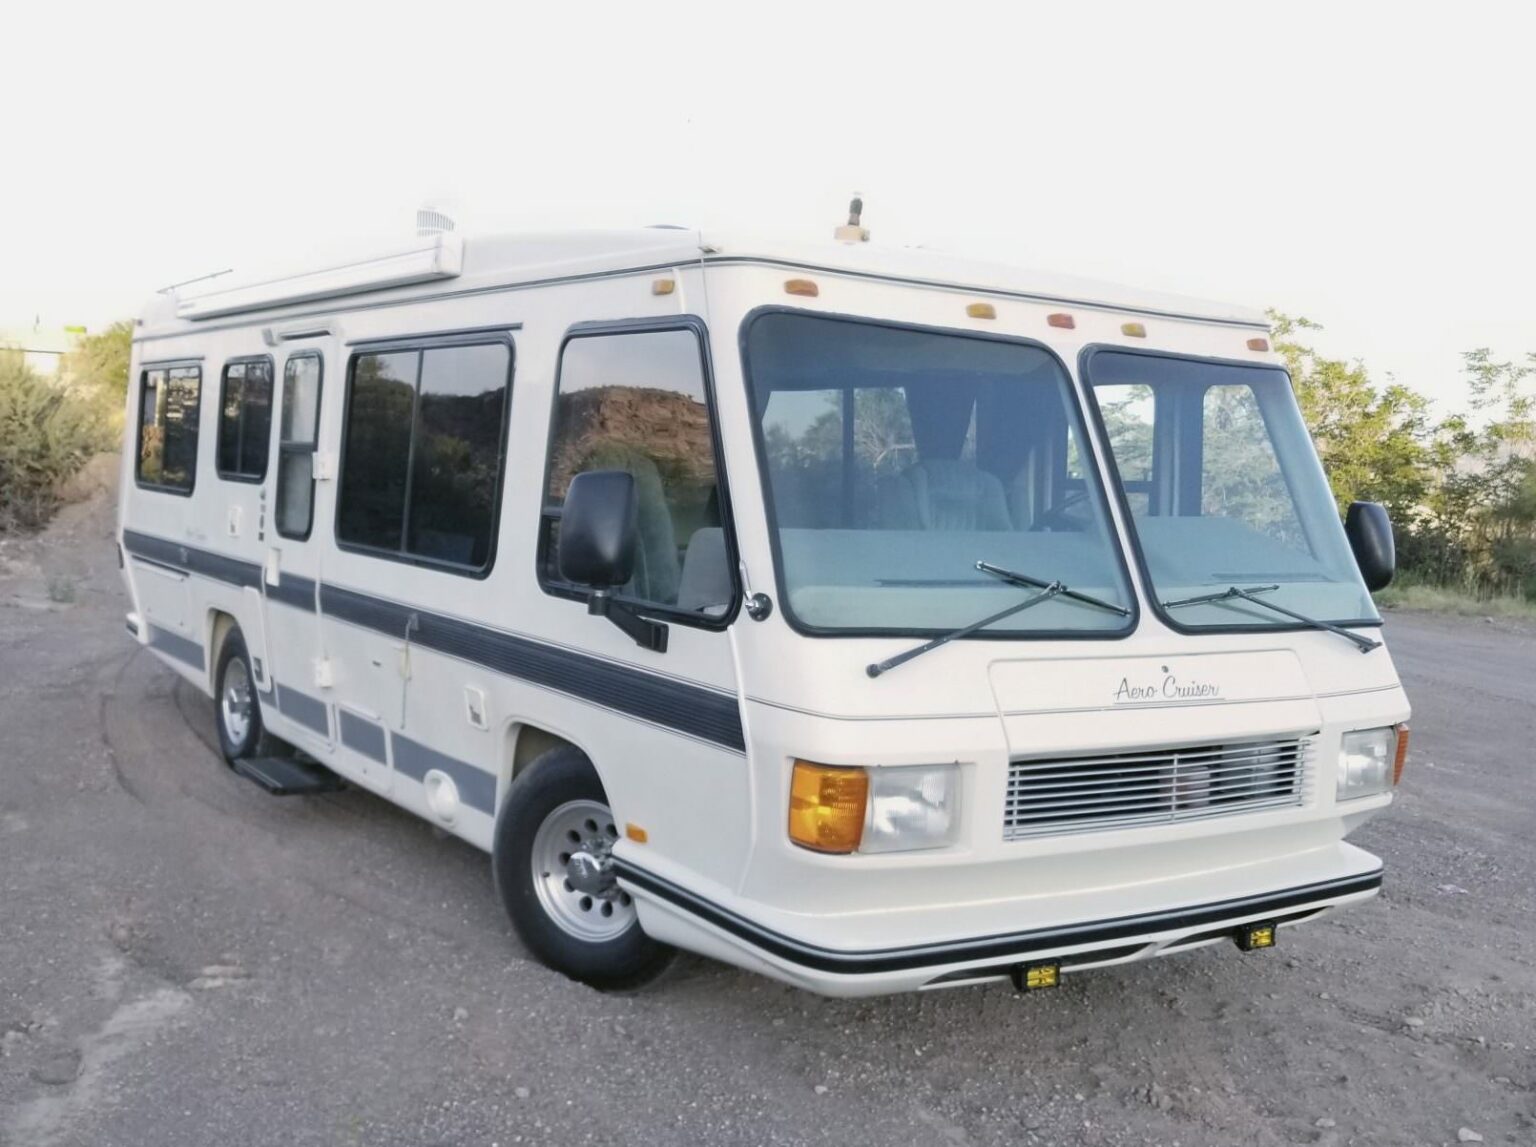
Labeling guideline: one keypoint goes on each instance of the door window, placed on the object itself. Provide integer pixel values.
(298, 434)
(638, 401)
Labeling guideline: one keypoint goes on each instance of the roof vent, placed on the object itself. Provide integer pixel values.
(433, 220)
(852, 232)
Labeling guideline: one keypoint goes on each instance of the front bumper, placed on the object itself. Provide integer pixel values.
(673, 914)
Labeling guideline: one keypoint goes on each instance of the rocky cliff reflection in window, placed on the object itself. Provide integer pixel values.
(637, 402)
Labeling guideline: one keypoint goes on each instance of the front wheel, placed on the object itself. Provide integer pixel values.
(553, 864)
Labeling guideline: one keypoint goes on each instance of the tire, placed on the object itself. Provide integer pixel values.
(586, 929)
(237, 737)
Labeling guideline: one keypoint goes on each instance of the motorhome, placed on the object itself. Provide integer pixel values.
(868, 617)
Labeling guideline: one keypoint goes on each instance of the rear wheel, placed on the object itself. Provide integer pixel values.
(237, 713)
(553, 863)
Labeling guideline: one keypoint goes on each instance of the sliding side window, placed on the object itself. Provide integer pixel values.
(245, 420)
(637, 401)
(169, 402)
(422, 456)
(298, 435)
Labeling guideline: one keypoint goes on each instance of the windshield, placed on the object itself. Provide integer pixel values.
(896, 459)
(1225, 490)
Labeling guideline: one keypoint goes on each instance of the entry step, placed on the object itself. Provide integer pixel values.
(288, 776)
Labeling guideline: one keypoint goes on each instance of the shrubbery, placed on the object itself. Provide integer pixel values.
(47, 432)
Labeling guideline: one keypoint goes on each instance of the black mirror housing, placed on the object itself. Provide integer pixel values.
(598, 529)
(599, 534)
(1369, 530)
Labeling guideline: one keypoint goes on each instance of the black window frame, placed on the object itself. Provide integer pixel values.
(1133, 535)
(1086, 423)
(138, 459)
(548, 515)
(497, 336)
(294, 447)
(266, 456)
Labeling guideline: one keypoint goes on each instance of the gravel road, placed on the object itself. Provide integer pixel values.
(185, 961)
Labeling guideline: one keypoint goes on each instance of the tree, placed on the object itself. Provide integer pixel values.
(99, 362)
(1376, 445)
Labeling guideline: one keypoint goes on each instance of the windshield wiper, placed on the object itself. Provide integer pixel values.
(1048, 590)
(1251, 594)
(1024, 579)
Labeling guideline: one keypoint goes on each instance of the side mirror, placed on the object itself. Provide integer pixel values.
(599, 533)
(598, 529)
(1369, 530)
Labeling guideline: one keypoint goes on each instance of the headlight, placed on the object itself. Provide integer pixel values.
(911, 807)
(841, 809)
(1366, 760)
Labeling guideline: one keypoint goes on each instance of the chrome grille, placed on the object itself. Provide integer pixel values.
(1150, 786)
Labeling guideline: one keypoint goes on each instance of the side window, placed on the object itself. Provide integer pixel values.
(422, 453)
(245, 420)
(298, 434)
(168, 411)
(637, 401)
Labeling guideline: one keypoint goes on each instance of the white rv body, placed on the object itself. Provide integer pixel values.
(394, 673)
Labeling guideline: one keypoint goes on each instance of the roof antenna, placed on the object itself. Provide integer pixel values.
(852, 232)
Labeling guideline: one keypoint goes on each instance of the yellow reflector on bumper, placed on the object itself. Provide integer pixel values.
(826, 807)
(1035, 977)
(1251, 937)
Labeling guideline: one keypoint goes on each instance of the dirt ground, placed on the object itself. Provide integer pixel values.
(187, 961)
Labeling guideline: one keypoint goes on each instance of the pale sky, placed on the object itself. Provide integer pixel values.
(1367, 165)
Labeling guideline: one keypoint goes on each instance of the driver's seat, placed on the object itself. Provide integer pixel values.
(943, 494)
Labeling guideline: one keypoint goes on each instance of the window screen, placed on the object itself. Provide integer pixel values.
(245, 420)
(298, 432)
(636, 401)
(168, 412)
(422, 458)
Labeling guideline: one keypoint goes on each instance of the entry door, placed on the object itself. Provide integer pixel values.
(291, 573)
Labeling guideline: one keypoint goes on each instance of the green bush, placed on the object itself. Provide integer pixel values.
(47, 432)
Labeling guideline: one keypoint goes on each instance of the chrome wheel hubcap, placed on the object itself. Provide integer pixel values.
(235, 704)
(573, 872)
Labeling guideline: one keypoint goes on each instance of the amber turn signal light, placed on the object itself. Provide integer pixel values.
(1402, 753)
(826, 807)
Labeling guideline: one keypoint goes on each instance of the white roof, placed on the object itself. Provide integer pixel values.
(454, 264)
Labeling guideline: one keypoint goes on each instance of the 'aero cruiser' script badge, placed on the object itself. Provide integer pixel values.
(1168, 686)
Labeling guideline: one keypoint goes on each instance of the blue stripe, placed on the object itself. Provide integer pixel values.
(477, 788)
(362, 735)
(304, 709)
(694, 710)
(191, 559)
(174, 645)
(708, 714)
(298, 592)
